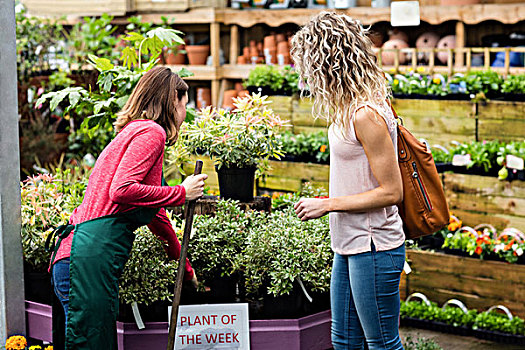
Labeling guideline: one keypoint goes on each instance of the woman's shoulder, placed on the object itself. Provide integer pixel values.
(140, 126)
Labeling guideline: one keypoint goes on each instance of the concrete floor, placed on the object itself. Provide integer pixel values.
(456, 342)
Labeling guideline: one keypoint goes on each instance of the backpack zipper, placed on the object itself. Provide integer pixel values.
(415, 175)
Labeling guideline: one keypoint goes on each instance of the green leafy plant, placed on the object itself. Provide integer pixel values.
(242, 137)
(420, 344)
(314, 145)
(514, 84)
(148, 275)
(267, 75)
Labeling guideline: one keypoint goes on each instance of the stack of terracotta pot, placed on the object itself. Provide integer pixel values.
(203, 97)
(399, 40)
(229, 95)
(274, 50)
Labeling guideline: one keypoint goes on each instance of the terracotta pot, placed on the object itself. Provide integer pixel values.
(246, 53)
(397, 34)
(173, 58)
(243, 93)
(229, 95)
(203, 97)
(388, 58)
(459, 2)
(253, 43)
(241, 60)
(270, 42)
(260, 48)
(280, 38)
(271, 56)
(238, 86)
(197, 54)
(447, 42)
(283, 59)
(426, 40)
(283, 48)
(254, 54)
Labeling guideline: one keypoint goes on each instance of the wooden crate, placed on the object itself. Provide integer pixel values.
(482, 199)
(290, 177)
(282, 106)
(303, 120)
(78, 7)
(478, 284)
(500, 120)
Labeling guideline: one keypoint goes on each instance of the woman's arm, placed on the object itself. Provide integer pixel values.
(142, 154)
(372, 131)
(162, 228)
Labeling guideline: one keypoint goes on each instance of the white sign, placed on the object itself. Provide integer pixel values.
(514, 162)
(461, 159)
(212, 326)
(404, 13)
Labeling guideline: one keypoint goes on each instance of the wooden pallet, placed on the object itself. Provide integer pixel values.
(478, 284)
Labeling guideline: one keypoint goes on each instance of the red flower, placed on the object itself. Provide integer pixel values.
(478, 250)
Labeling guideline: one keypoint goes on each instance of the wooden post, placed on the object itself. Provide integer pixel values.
(380, 58)
(469, 59)
(234, 44)
(431, 61)
(396, 60)
(215, 33)
(460, 43)
(507, 61)
(215, 83)
(449, 62)
(486, 57)
(414, 59)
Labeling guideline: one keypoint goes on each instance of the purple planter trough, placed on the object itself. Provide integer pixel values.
(306, 333)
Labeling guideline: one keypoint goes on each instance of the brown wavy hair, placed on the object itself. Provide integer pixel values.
(333, 55)
(154, 98)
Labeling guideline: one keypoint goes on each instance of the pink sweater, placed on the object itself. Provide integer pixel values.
(128, 174)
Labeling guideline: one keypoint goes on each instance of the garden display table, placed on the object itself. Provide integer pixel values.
(310, 332)
(208, 204)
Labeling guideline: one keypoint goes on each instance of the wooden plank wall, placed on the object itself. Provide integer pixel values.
(437, 121)
(478, 284)
(482, 199)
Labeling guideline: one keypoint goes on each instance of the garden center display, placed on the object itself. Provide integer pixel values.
(457, 81)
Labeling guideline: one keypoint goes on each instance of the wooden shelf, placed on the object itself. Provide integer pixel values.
(472, 14)
(200, 72)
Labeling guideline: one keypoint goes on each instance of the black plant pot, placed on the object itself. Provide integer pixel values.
(154, 312)
(263, 90)
(236, 183)
(37, 285)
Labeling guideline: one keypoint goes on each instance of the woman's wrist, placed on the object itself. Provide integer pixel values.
(328, 205)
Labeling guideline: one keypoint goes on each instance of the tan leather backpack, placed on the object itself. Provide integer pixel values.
(424, 209)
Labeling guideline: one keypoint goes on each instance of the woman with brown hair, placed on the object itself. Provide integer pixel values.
(124, 192)
(334, 56)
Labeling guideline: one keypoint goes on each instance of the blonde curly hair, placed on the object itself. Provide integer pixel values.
(333, 55)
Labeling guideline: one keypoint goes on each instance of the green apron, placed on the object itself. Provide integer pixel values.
(99, 251)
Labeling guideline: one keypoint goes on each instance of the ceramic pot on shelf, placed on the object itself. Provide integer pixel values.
(227, 102)
(246, 53)
(283, 53)
(260, 48)
(238, 86)
(426, 40)
(173, 57)
(388, 57)
(254, 54)
(243, 93)
(397, 34)
(203, 97)
(447, 42)
(280, 38)
(241, 60)
(197, 54)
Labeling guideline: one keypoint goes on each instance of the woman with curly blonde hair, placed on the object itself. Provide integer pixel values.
(334, 56)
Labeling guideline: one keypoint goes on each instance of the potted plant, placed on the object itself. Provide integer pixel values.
(265, 80)
(239, 141)
(175, 55)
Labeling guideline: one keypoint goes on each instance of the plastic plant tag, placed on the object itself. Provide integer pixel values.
(461, 159)
(404, 13)
(136, 315)
(514, 162)
(407, 268)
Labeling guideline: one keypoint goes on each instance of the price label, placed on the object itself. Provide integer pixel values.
(461, 159)
(514, 162)
(404, 13)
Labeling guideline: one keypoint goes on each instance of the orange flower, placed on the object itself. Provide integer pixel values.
(455, 225)
(323, 149)
(478, 250)
(16, 342)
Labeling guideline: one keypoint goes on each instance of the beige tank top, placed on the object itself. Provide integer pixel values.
(350, 173)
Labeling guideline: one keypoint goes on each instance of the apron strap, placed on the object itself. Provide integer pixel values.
(52, 243)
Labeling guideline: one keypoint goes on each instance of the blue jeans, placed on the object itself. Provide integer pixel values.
(60, 279)
(365, 299)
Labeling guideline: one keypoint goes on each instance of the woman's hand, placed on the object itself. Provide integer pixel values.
(311, 208)
(194, 186)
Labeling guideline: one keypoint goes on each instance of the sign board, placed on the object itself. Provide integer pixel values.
(404, 13)
(212, 326)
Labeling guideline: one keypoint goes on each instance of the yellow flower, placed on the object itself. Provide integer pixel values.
(35, 347)
(436, 81)
(410, 69)
(50, 347)
(16, 342)
(392, 70)
(420, 69)
(396, 81)
(323, 149)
